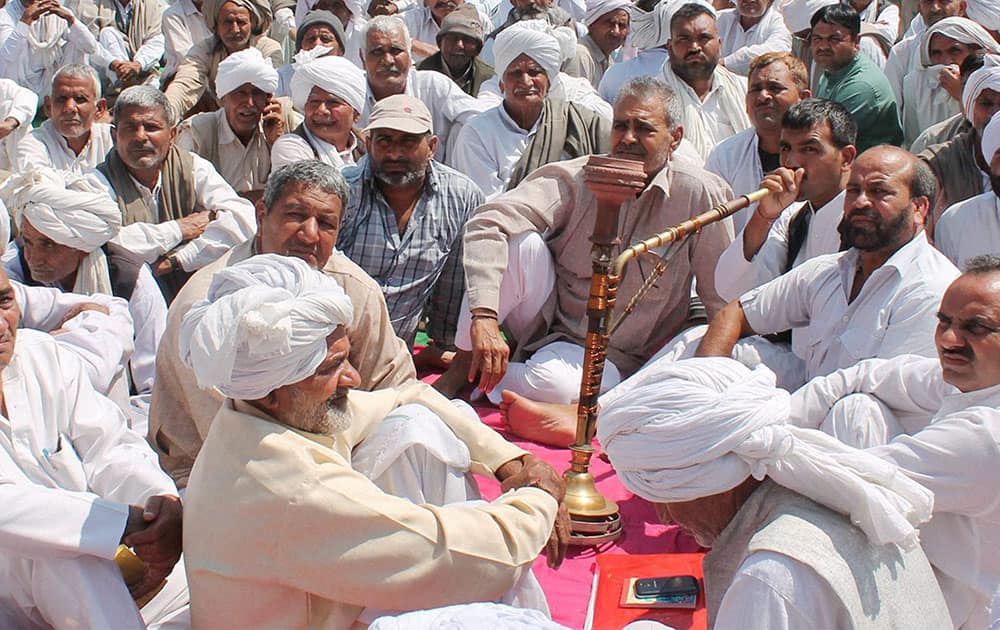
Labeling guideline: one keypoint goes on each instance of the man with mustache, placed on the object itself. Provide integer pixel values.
(460, 41)
(71, 139)
(751, 29)
(404, 222)
(607, 23)
(542, 230)
(904, 55)
(877, 299)
(424, 24)
(359, 498)
(712, 98)
(178, 214)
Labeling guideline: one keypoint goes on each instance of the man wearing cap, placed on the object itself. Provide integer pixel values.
(330, 92)
(752, 28)
(607, 24)
(404, 221)
(355, 497)
(237, 139)
(424, 24)
(320, 34)
(460, 41)
(804, 531)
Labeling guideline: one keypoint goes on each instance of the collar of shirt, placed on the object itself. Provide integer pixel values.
(431, 180)
(837, 75)
(694, 95)
(595, 51)
(512, 126)
(124, 10)
(408, 90)
(901, 260)
(50, 130)
(346, 156)
(955, 400)
(152, 197)
(228, 136)
(243, 406)
(187, 8)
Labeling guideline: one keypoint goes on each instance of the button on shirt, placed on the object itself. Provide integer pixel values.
(423, 265)
(894, 313)
(45, 146)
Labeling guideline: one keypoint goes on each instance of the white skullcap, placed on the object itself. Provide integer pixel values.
(651, 29)
(263, 325)
(984, 12)
(246, 66)
(679, 431)
(598, 8)
(960, 29)
(986, 78)
(991, 138)
(332, 74)
(798, 13)
(524, 38)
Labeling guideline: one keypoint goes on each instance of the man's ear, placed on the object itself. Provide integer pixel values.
(102, 107)
(677, 135)
(847, 155)
(47, 107)
(260, 211)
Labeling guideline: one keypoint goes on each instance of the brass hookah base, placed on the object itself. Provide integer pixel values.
(595, 519)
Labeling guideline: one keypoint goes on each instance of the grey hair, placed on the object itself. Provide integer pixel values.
(311, 173)
(648, 89)
(145, 97)
(77, 71)
(983, 264)
(389, 24)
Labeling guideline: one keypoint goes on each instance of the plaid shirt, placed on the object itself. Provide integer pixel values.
(421, 267)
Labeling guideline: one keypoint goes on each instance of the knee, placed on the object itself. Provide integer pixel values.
(858, 420)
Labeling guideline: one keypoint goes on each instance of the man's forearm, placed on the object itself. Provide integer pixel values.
(754, 234)
(728, 327)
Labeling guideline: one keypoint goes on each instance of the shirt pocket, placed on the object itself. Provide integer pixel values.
(864, 341)
(63, 465)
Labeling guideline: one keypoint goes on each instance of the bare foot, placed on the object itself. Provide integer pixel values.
(546, 423)
(456, 376)
(433, 359)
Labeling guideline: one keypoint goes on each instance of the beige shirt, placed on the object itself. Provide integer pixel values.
(180, 413)
(555, 202)
(280, 532)
(590, 62)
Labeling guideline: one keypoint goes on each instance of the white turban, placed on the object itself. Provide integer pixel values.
(991, 138)
(246, 66)
(72, 210)
(986, 78)
(984, 12)
(597, 8)
(960, 29)
(263, 325)
(524, 38)
(651, 29)
(798, 13)
(679, 431)
(332, 74)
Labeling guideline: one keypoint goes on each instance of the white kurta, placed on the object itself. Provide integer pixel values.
(881, 18)
(488, 147)
(290, 148)
(33, 67)
(969, 228)
(740, 47)
(18, 103)
(234, 224)
(736, 160)
(44, 146)
(566, 88)
(895, 312)
(903, 58)
(735, 275)
(648, 63)
(183, 26)
(955, 454)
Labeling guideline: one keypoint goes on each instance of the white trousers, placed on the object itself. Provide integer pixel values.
(414, 455)
(553, 373)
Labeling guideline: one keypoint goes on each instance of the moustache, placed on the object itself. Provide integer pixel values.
(965, 352)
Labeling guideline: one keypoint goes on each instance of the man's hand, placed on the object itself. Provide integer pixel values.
(76, 309)
(8, 126)
(193, 225)
(56, 8)
(382, 7)
(489, 353)
(536, 473)
(783, 183)
(162, 266)
(33, 10)
(126, 70)
(273, 121)
(951, 80)
(433, 357)
(158, 544)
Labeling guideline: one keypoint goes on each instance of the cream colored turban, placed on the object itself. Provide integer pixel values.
(986, 78)
(520, 38)
(246, 66)
(263, 325)
(798, 13)
(651, 29)
(260, 13)
(71, 210)
(991, 138)
(332, 74)
(960, 29)
(679, 431)
(597, 8)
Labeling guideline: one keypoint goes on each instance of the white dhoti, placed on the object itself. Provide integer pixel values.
(553, 372)
(414, 455)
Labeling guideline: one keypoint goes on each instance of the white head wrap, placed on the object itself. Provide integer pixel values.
(991, 138)
(651, 29)
(246, 66)
(984, 12)
(798, 13)
(358, 9)
(332, 74)
(597, 8)
(986, 78)
(690, 429)
(960, 29)
(71, 210)
(263, 325)
(305, 56)
(526, 38)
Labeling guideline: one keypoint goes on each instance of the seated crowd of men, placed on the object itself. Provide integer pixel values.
(227, 223)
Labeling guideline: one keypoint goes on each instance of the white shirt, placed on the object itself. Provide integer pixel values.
(969, 228)
(570, 89)
(735, 275)
(955, 453)
(447, 103)
(183, 26)
(18, 103)
(648, 63)
(67, 460)
(234, 224)
(422, 27)
(487, 148)
(894, 313)
(736, 160)
(904, 56)
(881, 18)
(32, 67)
(245, 167)
(44, 146)
(291, 148)
(110, 50)
(740, 47)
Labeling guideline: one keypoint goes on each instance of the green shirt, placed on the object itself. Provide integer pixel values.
(862, 88)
